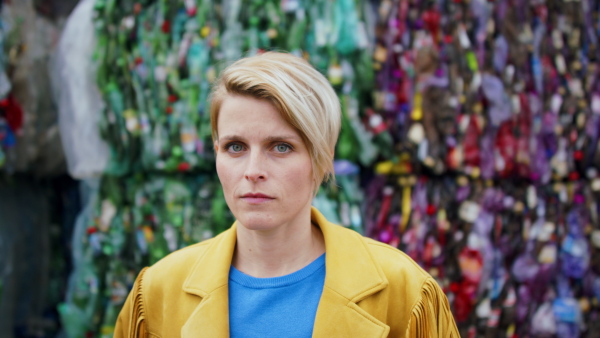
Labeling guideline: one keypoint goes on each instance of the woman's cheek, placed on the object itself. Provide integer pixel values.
(300, 175)
(223, 171)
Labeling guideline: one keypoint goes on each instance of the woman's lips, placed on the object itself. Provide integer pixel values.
(257, 198)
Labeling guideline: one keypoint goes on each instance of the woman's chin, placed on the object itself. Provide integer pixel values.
(257, 222)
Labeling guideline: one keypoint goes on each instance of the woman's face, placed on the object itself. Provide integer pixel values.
(263, 165)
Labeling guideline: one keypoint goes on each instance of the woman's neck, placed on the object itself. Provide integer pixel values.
(277, 252)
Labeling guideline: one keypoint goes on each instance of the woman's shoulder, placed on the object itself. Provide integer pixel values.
(177, 264)
(396, 264)
(159, 292)
(182, 258)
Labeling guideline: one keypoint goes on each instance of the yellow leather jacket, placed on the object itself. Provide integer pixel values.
(371, 290)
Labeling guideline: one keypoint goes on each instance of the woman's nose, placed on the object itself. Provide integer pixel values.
(255, 170)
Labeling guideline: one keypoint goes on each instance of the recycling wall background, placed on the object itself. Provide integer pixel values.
(469, 140)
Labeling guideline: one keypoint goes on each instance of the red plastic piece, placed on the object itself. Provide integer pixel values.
(183, 166)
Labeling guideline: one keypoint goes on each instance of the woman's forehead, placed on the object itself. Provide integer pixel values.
(241, 116)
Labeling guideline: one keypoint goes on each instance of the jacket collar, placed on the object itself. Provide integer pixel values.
(351, 276)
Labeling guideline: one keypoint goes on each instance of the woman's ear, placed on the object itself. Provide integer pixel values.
(216, 146)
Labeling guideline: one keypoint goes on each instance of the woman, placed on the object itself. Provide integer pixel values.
(281, 270)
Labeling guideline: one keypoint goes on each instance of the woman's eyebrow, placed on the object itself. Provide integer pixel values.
(274, 138)
(231, 138)
(282, 138)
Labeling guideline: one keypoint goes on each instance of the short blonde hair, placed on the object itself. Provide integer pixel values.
(300, 93)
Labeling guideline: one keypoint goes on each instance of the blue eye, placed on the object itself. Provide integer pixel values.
(235, 147)
(282, 148)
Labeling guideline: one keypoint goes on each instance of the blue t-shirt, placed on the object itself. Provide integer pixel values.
(283, 306)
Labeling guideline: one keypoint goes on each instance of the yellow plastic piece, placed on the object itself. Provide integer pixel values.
(406, 207)
(384, 168)
(204, 31)
(417, 113)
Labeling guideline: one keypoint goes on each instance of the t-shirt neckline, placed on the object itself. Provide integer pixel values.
(243, 279)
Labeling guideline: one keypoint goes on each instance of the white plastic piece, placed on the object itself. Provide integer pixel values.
(79, 101)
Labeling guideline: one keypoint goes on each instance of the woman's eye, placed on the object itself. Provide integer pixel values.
(236, 148)
(282, 148)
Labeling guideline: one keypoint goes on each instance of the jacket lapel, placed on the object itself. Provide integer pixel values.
(208, 279)
(351, 276)
(339, 317)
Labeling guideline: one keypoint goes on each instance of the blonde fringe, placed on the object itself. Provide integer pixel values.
(138, 325)
(429, 315)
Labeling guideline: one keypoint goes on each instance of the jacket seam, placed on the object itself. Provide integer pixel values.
(337, 293)
(372, 320)
(354, 300)
(363, 295)
(206, 294)
(350, 301)
(145, 282)
(358, 297)
(218, 287)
